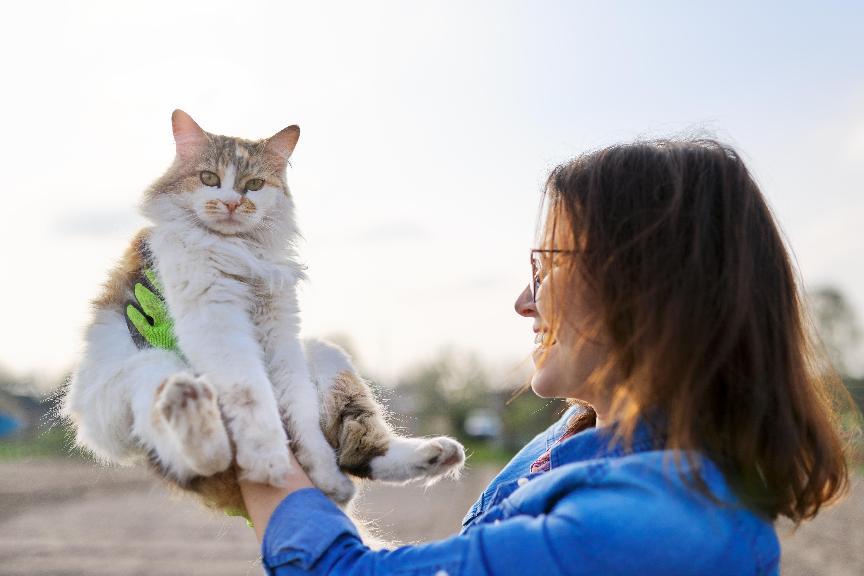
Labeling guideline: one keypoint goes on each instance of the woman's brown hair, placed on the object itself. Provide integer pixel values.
(698, 297)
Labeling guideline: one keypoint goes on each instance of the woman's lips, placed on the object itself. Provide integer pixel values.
(543, 338)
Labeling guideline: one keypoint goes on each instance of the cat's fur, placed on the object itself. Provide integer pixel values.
(246, 382)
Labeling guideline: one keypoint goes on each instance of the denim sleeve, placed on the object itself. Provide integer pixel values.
(308, 534)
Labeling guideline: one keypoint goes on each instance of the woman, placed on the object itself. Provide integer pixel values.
(662, 294)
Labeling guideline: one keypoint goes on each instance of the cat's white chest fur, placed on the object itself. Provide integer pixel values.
(193, 263)
(236, 317)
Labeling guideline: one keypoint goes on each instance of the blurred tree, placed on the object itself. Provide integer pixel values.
(440, 393)
(837, 327)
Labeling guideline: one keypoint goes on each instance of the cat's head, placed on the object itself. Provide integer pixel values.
(224, 184)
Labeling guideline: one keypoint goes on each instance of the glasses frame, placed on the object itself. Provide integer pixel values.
(536, 278)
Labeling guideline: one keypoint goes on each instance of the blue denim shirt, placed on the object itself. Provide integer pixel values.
(598, 510)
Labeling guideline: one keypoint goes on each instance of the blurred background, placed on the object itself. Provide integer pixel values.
(427, 133)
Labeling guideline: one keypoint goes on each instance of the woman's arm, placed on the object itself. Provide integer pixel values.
(308, 534)
(261, 499)
(303, 532)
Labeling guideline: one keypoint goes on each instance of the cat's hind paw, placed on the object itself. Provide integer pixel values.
(418, 458)
(442, 455)
(188, 408)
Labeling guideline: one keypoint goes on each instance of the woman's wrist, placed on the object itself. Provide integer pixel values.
(262, 499)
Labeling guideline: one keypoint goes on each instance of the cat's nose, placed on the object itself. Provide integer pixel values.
(231, 205)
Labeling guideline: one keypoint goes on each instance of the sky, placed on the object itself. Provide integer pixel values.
(427, 131)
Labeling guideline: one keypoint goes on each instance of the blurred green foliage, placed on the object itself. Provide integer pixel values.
(52, 442)
(40, 433)
(837, 328)
(439, 396)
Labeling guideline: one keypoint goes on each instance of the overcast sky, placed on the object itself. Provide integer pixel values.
(427, 131)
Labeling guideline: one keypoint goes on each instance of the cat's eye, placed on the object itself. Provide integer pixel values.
(209, 178)
(255, 184)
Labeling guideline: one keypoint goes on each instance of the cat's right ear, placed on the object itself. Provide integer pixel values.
(188, 135)
(281, 145)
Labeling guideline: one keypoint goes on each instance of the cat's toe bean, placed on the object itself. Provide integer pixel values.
(182, 393)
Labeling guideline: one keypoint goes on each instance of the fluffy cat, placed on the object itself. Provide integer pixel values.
(244, 383)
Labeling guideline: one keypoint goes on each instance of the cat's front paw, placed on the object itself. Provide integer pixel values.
(187, 406)
(265, 464)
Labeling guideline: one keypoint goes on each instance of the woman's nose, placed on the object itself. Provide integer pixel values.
(525, 303)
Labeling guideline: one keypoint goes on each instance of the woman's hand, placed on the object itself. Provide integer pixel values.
(261, 499)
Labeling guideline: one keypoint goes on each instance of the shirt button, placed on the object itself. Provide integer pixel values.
(522, 481)
(441, 573)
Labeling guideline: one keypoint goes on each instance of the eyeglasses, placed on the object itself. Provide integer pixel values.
(539, 269)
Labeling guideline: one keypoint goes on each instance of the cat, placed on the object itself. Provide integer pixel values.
(244, 383)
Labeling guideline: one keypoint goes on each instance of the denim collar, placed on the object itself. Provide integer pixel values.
(590, 444)
(601, 442)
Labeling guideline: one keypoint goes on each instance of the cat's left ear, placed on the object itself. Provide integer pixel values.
(188, 135)
(282, 144)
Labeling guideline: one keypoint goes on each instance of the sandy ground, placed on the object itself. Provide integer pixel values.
(71, 518)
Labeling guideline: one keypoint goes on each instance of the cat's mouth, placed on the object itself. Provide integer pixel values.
(221, 223)
(228, 224)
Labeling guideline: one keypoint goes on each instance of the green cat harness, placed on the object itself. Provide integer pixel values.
(239, 512)
(147, 316)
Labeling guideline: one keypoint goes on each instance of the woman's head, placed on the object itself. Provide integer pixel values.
(665, 275)
(567, 354)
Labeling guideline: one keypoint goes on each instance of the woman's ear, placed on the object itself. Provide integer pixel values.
(282, 144)
(189, 138)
